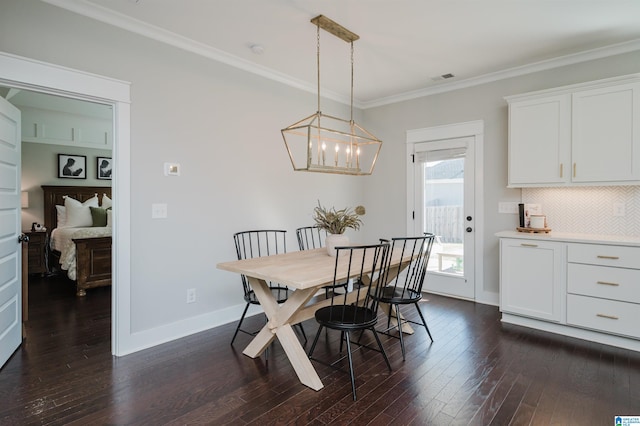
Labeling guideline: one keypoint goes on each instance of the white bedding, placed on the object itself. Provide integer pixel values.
(62, 241)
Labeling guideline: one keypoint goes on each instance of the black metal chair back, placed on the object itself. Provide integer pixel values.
(404, 283)
(367, 266)
(357, 309)
(310, 237)
(258, 243)
(408, 283)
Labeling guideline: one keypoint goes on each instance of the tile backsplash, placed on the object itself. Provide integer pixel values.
(588, 209)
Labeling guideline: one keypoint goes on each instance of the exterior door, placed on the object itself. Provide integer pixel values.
(444, 206)
(10, 221)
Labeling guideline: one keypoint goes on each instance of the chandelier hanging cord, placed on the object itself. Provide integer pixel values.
(318, 62)
(352, 82)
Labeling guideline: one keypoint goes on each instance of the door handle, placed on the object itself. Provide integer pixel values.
(23, 238)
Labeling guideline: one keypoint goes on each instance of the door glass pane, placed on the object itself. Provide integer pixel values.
(443, 211)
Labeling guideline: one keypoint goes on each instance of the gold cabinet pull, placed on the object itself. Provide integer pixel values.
(561, 169)
(608, 283)
(608, 257)
(613, 317)
(528, 245)
(574, 169)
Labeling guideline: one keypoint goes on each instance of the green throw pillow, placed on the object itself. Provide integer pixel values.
(99, 216)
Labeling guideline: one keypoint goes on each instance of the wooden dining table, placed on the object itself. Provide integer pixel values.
(305, 272)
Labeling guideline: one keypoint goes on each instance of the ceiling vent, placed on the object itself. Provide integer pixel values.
(442, 77)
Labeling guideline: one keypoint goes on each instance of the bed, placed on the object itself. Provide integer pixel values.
(90, 263)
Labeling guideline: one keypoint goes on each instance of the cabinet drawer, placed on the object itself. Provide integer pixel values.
(604, 315)
(598, 254)
(603, 281)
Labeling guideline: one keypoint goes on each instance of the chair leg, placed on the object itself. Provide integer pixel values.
(240, 323)
(423, 321)
(384, 354)
(303, 333)
(341, 340)
(353, 378)
(313, 346)
(398, 318)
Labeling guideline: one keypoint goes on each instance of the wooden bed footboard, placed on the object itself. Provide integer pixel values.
(93, 255)
(93, 263)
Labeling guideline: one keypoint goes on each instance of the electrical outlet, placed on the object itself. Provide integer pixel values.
(619, 209)
(508, 207)
(191, 295)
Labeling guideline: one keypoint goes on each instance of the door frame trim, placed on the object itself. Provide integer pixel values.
(474, 129)
(30, 74)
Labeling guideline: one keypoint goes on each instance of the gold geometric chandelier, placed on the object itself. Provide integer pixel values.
(327, 144)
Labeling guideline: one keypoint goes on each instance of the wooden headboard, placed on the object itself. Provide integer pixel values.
(54, 195)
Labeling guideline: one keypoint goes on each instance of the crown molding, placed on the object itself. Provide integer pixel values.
(575, 58)
(153, 32)
(136, 26)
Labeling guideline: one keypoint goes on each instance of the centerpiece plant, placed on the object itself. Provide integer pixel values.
(336, 222)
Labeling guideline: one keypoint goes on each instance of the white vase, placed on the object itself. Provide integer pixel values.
(335, 240)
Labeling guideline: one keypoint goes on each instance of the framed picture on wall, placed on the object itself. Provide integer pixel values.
(104, 167)
(72, 166)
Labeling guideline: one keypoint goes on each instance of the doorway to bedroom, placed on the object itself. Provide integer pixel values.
(57, 130)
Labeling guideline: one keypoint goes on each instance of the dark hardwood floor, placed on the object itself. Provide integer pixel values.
(477, 372)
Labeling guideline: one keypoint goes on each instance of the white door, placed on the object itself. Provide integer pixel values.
(10, 221)
(444, 206)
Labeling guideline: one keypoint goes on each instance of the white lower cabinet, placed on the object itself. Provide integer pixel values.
(609, 316)
(580, 289)
(603, 285)
(532, 278)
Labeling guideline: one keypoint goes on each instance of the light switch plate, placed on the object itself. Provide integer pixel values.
(158, 211)
(508, 207)
(171, 169)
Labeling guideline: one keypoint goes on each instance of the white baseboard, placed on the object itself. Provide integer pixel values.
(488, 298)
(148, 338)
(579, 333)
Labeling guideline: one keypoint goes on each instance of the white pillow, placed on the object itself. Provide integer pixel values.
(106, 201)
(61, 213)
(109, 220)
(79, 214)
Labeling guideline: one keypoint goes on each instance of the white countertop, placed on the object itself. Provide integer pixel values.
(621, 240)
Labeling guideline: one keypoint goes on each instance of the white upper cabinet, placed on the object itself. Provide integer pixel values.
(541, 128)
(606, 134)
(586, 134)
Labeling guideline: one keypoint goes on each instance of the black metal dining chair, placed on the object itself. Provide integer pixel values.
(258, 243)
(312, 237)
(405, 288)
(356, 310)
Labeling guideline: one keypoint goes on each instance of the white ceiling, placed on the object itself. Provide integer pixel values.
(403, 46)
